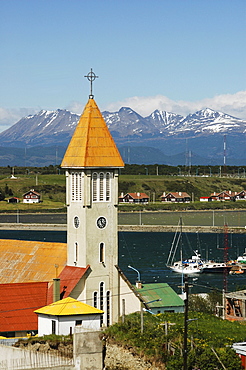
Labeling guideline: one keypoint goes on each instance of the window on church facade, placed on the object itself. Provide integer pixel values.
(107, 186)
(94, 186)
(76, 186)
(101, 186)
(101, 252)
(108, 307)
(101, 300)
(75, 253)
(95, 299)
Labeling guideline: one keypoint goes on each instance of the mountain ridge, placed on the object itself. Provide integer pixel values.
(201, 133)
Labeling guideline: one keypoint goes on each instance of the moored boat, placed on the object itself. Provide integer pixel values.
(212, 267)
(242, 259)
(188, 266)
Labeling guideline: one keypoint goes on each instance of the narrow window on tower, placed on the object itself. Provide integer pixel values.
(108, 307)
(75, 253)
(101, 186)
(76, 186)
(94, 186)
(107, 186)
(101, 253)
(72, 187)
(95, 299)
(101, 300)
(80, 186)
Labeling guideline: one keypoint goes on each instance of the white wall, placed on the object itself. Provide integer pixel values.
(64, 323)
(132, 303)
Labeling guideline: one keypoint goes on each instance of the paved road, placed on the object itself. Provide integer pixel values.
(47, 218)
(57, 221)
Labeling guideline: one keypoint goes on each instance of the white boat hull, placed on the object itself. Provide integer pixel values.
(186, 269)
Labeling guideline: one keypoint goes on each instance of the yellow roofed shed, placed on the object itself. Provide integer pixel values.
(68, 306)
(63, 316)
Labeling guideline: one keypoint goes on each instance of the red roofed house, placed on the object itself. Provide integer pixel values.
(241, 195)
(206, 199)
(224, 195)
(179, 197)
(31, 196)
(134, 198)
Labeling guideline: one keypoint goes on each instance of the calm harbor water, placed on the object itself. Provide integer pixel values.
(148, 253)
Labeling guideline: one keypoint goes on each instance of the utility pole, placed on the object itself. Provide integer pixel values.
(186, 307)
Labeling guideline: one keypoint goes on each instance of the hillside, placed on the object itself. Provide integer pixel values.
(199, 186)
(162, 344)
(52, 188)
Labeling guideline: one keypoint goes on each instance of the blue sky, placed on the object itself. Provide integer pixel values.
(174, 55)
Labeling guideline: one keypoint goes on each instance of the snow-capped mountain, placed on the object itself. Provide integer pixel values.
(209, 121)
(164, 121)
(126, 122)
(201, 132)
(43, 128)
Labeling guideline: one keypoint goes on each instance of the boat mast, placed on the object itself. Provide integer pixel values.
(225, 256)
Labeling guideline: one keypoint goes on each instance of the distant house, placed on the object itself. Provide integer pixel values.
(236, 306)
(241, 195)
(31, 196)
(226, 195)
(13, 200)
(206, 199)
(134, 198)
(179, 197)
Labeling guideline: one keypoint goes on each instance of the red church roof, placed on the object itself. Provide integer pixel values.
(69, 278)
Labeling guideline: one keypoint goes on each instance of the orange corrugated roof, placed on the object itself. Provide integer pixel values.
(92, 144)
(17, 303)
(26, 261)
(69, 277)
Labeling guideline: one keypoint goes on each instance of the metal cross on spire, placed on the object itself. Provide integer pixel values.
(91, 76)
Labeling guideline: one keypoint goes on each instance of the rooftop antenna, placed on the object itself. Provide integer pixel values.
(91, 76)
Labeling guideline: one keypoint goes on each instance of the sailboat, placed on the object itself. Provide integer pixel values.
(193, 265)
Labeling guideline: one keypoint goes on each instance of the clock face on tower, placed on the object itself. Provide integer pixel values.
(76, 222)
(101, 222)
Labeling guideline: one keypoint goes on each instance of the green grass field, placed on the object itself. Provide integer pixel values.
(52, 189)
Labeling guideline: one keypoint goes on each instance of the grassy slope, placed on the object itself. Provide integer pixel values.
(52, 190)
(206, 331)
(199, 186)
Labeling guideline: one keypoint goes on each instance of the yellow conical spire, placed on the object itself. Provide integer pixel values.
(92, 144)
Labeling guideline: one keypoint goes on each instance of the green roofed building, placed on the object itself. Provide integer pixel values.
(160, 297)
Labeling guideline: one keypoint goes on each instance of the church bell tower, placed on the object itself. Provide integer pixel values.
(92, 163)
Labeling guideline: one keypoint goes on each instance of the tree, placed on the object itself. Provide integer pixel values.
(2, 195)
